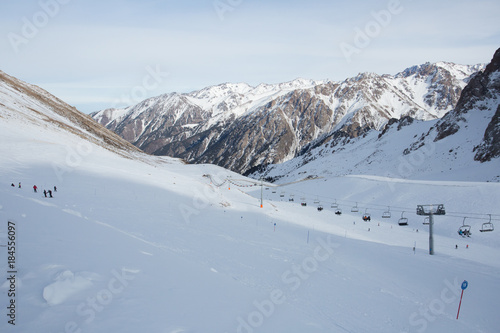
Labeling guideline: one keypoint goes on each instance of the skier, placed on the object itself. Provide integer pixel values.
(456, 246)
(45, 193)
(55, 188)
(19, 184)
(34, 188)
(12, 185)
(50, 193)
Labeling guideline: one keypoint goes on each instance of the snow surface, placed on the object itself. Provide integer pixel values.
(152, 245)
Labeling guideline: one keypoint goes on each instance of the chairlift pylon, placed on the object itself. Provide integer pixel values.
(403, 220)
(487, 226)
(387, 214)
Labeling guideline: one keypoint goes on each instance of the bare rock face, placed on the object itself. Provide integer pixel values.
(480, 98)
(242, 128)
(490, 147)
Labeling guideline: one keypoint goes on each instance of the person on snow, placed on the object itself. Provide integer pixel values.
(55, 188)
(34, 188)
(19, 184)
(12, 185)
(45, 193)
(50, 193)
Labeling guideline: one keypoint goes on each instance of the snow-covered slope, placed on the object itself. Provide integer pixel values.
(29, 104)
(242, 127)
(137, 243)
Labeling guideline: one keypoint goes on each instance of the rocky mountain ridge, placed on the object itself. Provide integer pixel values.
(242, 128)
(32, 104)
(466, 138)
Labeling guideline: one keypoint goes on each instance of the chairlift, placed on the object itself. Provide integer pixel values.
(274, 191)
(355, 209)
(320, 208)
(403, 220)
(366, 216)
(335, 205)
(464, 230)
(387, 214)
(282, 195)
(316, 201)
(487, 226)
(291, 198)
(303, 202)
(427, 221)
(338, 211)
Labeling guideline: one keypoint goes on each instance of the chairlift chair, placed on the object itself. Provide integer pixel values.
(316, 201)
(366, 216)
(403, 220)
(303, 202)
(355, 209)
(387, 214)
(320, 208)
(338, 211)
(291, 198)
(335, 205)
(282, 195)
(487, 226)
(464, 229)
(426, 221)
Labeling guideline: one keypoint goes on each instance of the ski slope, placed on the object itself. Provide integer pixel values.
(148, 244)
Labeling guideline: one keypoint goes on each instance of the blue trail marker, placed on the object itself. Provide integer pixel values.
(465, 284)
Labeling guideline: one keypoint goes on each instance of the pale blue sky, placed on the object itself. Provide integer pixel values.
(98, 54)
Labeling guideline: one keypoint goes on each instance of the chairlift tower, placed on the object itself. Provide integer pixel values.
(261, 188)
(431, 210)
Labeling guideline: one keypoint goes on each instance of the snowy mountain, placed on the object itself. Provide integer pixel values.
(466, 138)
(241, 127)
(136, 243)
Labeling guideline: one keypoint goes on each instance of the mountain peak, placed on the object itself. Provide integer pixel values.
(271, 123)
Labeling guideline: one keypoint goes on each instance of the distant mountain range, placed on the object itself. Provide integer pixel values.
(434, 119)
(245, 128)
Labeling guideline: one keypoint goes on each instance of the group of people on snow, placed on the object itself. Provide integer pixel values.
(35, 189)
